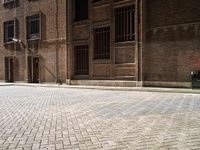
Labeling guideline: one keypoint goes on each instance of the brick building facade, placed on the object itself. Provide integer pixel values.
(100, 42)
(172, 46)
(40, 25)
(108, 34)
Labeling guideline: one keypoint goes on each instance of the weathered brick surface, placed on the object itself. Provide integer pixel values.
(171, 36)
(167, 12)
(56, 118)
(172, 40)
(121, 64)
(46, 49)
(80, 32)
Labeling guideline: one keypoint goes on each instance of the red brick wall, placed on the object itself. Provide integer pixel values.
(172, 39)
(46, 47)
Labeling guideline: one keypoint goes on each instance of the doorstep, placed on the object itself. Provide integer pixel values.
(112, 83)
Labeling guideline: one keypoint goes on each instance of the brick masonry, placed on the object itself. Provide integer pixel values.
(166, 47)
(46, 48)
(172, 40)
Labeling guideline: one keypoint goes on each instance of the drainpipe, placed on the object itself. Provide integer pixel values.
(137, 41)
(57, 36)
(143, 35)
(140, 39)
(68, 37)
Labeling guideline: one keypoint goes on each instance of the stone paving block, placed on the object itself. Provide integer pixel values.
(49, 118)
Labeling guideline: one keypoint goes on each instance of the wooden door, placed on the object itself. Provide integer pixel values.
(33, 69)
(9, 69)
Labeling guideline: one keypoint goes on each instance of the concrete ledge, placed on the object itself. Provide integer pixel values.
(167, 84)
(114, 83)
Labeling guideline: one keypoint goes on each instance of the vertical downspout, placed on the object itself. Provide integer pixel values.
(143, 34)
(15, 47)
(26, 48)
(57, 36)
(68, 19)
(137, 41)
(140, 39)
(67, 36)
(66, 32)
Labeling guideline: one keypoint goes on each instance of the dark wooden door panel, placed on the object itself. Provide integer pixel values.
(29, 69)
(33, 69)
(6, 69)
(9, 69)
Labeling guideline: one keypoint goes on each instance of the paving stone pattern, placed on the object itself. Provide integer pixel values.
(33, 118)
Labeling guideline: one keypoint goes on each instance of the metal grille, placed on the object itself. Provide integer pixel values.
(124, 24)
(102, 43)
(81, 61)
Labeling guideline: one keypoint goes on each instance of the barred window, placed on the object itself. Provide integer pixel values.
(102, 43)
(125, 24)
(81, 60)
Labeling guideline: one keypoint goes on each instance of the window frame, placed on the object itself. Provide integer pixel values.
(5, 2)
(125, 36)
(39, 36)
(102, 43)
(5, 38)
(79, 51)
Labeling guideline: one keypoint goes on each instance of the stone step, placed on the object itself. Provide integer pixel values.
(116, 83)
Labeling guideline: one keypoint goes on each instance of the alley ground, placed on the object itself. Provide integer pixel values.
(70, 118)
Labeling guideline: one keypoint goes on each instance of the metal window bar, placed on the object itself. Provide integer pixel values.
(81, 63)
(102, 43)
(124, 24)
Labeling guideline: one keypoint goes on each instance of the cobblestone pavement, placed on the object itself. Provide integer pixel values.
(58, 118)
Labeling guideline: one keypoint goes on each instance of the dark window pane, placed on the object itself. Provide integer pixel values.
(81, 10)
(8, 31)
(96, 0)
(33, 27)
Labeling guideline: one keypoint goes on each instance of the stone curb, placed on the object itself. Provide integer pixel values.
(139, 89)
